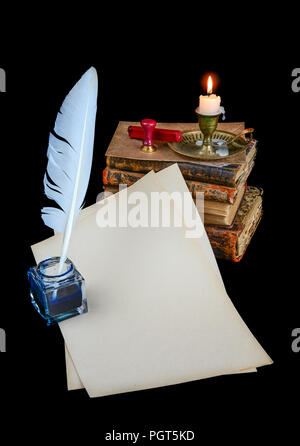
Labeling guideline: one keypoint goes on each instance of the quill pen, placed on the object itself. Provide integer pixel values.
(70, 154)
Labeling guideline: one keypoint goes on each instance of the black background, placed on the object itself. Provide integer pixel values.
(164, 86)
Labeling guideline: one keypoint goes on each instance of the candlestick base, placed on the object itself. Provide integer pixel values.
(224, 145)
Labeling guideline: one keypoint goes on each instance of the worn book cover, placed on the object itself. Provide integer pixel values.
(124, 153)
(231, 243)
(213, 192)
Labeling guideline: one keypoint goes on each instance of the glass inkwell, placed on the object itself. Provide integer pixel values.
(55, 296)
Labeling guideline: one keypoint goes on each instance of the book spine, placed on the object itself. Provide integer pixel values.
(215, 192)
(190, 171)
(223, 242)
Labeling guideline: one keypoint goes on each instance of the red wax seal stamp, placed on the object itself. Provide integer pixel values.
(137, 132)
(148, 126)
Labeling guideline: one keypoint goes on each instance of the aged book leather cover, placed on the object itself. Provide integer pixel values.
(231, 243)
(214, 192)
(125, 154)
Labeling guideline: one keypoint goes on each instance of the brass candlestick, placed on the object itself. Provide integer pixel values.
(208, 125)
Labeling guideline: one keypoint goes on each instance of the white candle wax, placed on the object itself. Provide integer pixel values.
(209, 104)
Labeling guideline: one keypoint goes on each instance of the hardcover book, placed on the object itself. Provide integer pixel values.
(124, 153)
(215, 192)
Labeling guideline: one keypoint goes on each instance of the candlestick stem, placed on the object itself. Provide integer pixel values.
(208, 125)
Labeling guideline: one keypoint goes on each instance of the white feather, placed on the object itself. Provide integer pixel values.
(70, 158)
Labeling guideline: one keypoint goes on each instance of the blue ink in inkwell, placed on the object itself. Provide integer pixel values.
(57, 296)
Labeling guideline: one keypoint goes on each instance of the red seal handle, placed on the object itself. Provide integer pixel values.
(137, 132)
(148, 126)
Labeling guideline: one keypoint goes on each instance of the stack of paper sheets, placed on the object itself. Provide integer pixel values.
(158, 310)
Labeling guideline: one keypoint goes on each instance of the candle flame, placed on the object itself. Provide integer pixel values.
(209, 85)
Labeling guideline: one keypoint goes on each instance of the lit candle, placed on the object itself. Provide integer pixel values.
(209, 104)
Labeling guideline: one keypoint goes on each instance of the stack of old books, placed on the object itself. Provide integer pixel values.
(232, 210)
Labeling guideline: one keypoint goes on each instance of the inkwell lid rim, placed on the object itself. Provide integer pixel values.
(55, 276)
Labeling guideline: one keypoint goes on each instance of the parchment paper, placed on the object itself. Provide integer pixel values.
(158, 311)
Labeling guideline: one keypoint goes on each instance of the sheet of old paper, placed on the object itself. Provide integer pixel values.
(173, 181)
(158, 311)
